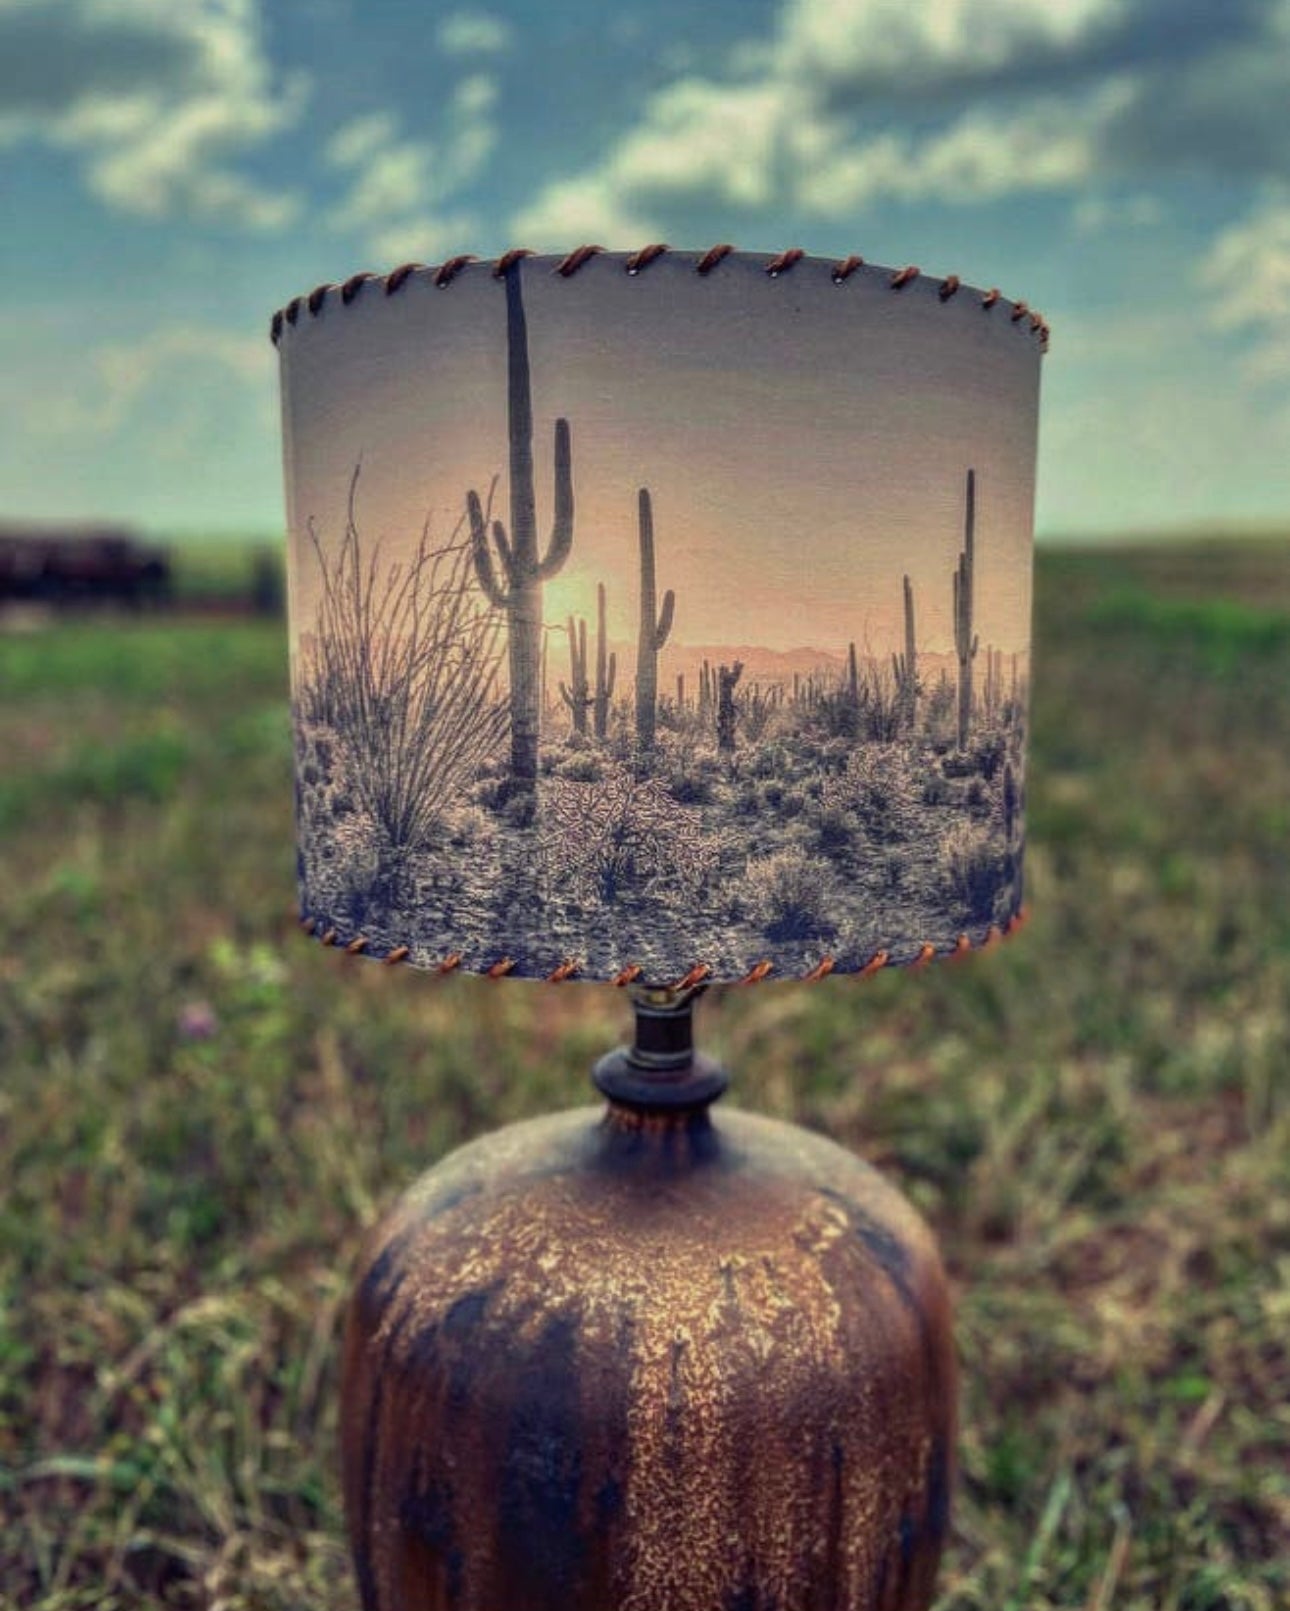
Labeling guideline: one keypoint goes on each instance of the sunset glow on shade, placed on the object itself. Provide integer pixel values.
(662, 618)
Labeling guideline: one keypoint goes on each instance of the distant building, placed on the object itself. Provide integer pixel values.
(45, 562)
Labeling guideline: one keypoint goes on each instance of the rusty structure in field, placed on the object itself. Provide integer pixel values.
(81, 565)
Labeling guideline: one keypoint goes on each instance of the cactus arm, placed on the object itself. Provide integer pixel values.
(504, 552)
(665, 619)
(482, 555)
(566, 695)
(562, 521)
(611, 676)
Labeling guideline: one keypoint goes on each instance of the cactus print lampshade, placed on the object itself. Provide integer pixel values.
(661, 615)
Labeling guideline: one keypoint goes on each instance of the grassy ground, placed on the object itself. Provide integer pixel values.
(199, 1111)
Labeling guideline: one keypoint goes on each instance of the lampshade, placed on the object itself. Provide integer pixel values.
(659, 616)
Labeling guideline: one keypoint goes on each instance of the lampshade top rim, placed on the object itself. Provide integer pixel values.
(794, 263)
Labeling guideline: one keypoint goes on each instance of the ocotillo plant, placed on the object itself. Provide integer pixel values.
(906, 666)
(513, 581)
(577, 696)
(606, 670)
(727, 677)
(966, 641)
(654, 629)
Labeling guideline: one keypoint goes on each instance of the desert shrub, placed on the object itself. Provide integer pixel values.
(404, 660)
(756, 707)
(582, 766)
(977, 798)
(835, 827)
(746, 801)
(881, 788)
(834, 715)
(692, 788)
(769, 761)
(623, 833)
(790, 894)
(466, 827)
(895, 867)
(959, 764)
(938, 791)
(988, 751)
(971, 871)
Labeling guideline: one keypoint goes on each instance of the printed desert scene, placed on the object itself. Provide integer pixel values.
(520, 747)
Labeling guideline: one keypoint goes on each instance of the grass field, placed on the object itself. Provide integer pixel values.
(199, 1112)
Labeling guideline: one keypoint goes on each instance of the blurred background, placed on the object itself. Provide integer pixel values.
(200, 1112)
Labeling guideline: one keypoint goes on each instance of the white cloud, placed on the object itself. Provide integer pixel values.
(845, 102)
(1246, 275)
(113, 379)
(1100, 214)
(401, 191)
(473, 33)
(1048, 145)
(157, 101)
(1248, 268)
(360, 140)
(885, 39)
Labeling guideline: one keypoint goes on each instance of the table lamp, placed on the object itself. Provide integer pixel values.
(662, 620)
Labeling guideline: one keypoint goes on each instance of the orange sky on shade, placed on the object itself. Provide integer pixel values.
(805, 443)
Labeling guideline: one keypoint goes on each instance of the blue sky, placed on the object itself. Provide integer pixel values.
(175, 169)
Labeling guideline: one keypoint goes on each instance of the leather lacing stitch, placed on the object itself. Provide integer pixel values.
(570, 968)
(634, 264)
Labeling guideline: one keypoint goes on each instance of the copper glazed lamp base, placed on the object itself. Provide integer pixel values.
(649, 1357)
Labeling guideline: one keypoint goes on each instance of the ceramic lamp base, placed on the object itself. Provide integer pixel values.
(616, 1360)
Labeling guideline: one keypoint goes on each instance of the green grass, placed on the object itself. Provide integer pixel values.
(199, 1112)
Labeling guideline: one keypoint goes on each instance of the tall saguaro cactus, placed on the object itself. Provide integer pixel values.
(577, 696)
(966, 641)
(655, 626)
(727, 679)
(905, 666)
(606, 669)
(512, 581)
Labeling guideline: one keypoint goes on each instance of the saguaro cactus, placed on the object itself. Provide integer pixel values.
(606, 670)
(905, 666)
(966, 641)
(577, 696)
(727, 677)
(706, 698)
(513, 580)
(654, 629)
(853, 677)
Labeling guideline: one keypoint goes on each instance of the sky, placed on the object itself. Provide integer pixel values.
(173, 170)
(805, 444)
